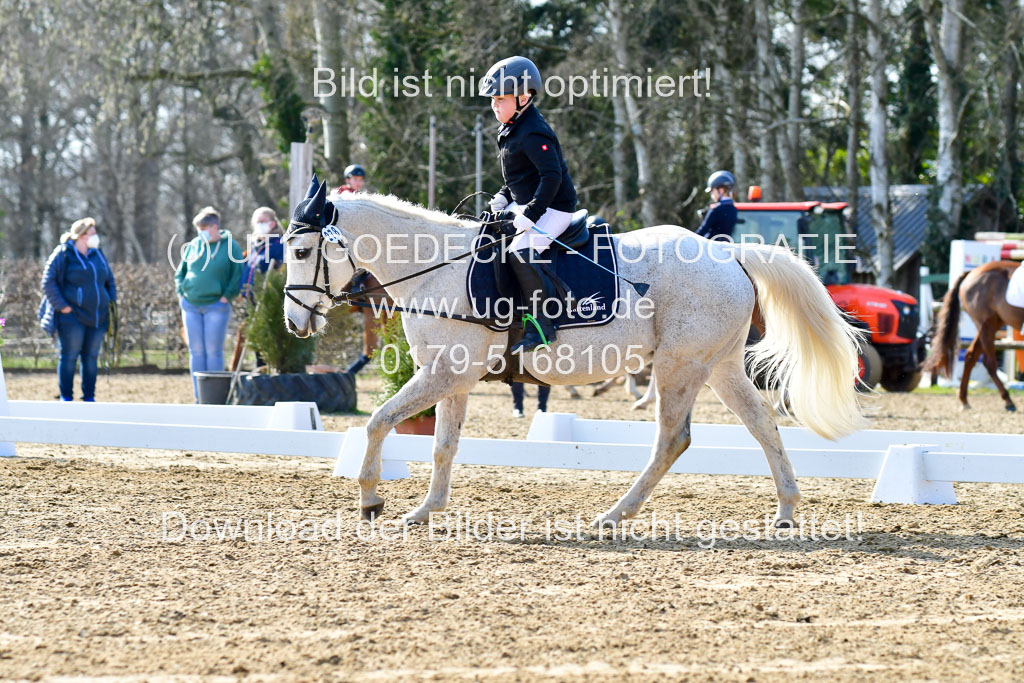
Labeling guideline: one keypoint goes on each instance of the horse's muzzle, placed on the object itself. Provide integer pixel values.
(294, 329)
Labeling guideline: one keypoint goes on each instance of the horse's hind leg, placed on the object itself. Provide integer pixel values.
(987, 337)
(648, 396)
(631, 389)
(739, 395)
(677, 390)
(970, 358)
(451, 412)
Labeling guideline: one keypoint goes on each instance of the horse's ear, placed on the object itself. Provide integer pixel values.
(315, 209)
(314, 185)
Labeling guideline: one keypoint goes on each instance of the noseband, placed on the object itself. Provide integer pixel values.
(297, 229)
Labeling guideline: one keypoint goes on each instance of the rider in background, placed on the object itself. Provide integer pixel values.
(355, 179)
(721, 216)
(537, 189)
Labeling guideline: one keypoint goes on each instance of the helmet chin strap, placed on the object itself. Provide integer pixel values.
(520, 108)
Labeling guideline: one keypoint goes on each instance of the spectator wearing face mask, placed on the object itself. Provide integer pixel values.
(78, 287)
(265, 252)
(207, 279)
(265, 248)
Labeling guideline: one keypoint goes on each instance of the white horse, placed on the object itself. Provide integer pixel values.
(700, 304)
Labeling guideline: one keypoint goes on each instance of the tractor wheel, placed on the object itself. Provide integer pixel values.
(900, 381)
(869, 363)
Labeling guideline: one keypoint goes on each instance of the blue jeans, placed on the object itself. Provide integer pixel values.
(518, 392)
(77, 340)
(205, 327)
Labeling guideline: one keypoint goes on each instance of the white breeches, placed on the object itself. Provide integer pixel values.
(551, 222)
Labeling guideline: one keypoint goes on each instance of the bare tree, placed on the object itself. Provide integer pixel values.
(765, 98)
(621, 126)
(794, 188)
(947, 44)
(620, 37)
(328, 19)
(877, 135)
(1011, 162)
(854, 124)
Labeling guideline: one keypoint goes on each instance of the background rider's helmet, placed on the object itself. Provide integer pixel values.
(721, 179)
(354, 169)
(512, 76)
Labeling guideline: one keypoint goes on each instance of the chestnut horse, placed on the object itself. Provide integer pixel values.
(982, 293)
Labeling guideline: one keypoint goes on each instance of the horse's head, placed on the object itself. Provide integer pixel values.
(318, 262)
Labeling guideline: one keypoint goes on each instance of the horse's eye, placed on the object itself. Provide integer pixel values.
(303, 254)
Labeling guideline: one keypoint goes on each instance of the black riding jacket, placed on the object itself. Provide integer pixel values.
(719, 220)
(533, 167)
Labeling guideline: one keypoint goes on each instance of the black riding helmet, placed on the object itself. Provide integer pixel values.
(512, 76)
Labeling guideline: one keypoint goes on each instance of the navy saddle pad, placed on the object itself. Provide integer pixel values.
(493, 291)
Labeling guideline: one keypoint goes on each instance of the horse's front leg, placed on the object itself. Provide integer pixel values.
(451, 413)
(431, 383)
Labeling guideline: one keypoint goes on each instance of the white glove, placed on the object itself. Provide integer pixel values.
(498, 203)
(522, 223)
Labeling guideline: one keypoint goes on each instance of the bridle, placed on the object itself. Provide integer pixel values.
(297, 229)
(335, 237)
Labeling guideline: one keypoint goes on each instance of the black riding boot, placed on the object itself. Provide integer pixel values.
(535, 288)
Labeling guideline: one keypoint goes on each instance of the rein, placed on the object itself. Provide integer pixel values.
(351, 298)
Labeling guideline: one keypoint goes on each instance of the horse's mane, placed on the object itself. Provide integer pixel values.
(399, 207)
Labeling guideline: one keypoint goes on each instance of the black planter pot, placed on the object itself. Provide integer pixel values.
(333, 392)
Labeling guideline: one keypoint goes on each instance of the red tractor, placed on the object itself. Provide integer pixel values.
(894, 350)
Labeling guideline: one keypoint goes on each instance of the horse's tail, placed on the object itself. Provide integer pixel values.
(809, 351)
(947, 324)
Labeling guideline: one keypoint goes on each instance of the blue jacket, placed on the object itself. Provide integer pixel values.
(86, 283)
(259, 259)
(719, 220)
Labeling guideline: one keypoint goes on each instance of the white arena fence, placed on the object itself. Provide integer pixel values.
(908, 467)
(282, 429)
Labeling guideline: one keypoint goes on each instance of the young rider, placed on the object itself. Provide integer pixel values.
(721, 217)
(537, 189)
(355, 178)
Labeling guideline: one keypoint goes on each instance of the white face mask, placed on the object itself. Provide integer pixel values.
(264, 227)
(93, 242)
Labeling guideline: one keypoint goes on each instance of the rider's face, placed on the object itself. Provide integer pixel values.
(356, 182)
(504, 106)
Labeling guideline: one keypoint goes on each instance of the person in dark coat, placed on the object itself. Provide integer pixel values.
(538, 189)
(722, 215)
(265, 252)
(265, 248)
(78, 288)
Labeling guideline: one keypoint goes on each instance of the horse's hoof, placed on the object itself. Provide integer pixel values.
(964, 407)
(414, 517)
(372, 512)
(783, 524)
(1010, 408)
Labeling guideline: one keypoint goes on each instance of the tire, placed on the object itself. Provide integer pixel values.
(897, 381)
(870, 363)
(333, 392)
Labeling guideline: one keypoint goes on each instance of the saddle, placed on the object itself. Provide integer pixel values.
(586, 294)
